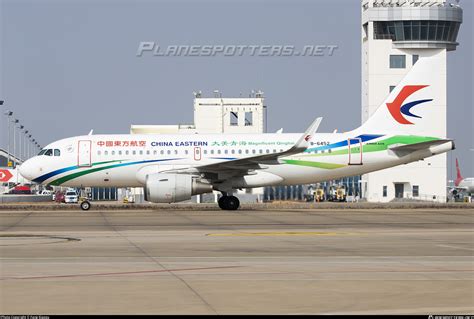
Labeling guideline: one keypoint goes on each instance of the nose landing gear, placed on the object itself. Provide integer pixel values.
(85, 205)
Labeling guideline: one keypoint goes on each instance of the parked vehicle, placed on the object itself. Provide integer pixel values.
(21, 189)
(71, 197)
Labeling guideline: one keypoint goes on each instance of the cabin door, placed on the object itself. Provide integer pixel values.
(84, 156)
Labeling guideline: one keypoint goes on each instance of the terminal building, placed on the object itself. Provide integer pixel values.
(395, 34)
(215, 115)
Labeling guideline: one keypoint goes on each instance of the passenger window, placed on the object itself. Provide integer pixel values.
(147, 152)
(246, 151)
(113, 152)
(260, 151)
(176, 152)
(267, 151)
(186, 152)
(126, 152)
(212, 151)
(218, 151)
(205, 151)
(141, 152)
(57, 152)
(48, 152)
(254, 151)
(106, 153)
(119, 152)
(240, 151)
(169, 152)
(162, 152)
(155, 152)
(98, 152)
(134, 152)
(226, 151)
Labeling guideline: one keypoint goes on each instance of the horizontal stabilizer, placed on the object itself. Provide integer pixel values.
(419, 146)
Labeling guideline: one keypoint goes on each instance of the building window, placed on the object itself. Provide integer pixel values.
(384, 191)
(414, 58)
(248, 118)
(397, 61)
(416, 191)
(234, 119)
(390, 88)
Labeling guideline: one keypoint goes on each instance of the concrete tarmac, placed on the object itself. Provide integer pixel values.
(296, 261)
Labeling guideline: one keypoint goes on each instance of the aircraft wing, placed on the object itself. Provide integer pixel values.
(241, 166)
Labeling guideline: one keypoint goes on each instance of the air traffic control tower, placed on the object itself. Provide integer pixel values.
(395, 33)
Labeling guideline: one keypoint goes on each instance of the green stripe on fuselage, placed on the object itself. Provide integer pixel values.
(314, 164)
(380, 145)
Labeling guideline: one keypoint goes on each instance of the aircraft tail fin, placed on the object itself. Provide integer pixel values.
(459, 177)
(416, 105)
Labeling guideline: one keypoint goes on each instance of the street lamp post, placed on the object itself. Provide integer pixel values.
(29, 146)
(9, 115)
(19, 141)
(25, 147)
(14, 140)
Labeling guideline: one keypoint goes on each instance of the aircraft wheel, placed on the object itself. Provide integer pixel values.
(229, 203)
(221, 202)
(85, 205)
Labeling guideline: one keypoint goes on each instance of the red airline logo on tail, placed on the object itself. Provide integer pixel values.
(397, 110)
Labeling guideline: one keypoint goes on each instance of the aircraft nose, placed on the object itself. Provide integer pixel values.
(28, 169)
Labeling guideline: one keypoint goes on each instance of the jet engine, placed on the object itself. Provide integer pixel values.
(170, 188)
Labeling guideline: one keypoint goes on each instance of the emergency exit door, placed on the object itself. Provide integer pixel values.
(84, 153)
(354, 146)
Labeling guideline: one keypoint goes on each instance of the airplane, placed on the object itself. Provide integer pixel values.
(462, 184)
(172, 168)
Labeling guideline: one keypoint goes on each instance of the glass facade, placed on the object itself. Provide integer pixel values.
(418, 30)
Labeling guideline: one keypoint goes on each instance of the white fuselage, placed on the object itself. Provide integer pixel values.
(126, 160)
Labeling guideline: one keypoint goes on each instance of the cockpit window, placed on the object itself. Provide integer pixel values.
(42, 152)
(57, 152)
(48, 152)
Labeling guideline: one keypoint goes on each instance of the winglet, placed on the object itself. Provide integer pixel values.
(303, 142)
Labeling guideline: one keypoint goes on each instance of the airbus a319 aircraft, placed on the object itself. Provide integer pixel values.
(172, 168)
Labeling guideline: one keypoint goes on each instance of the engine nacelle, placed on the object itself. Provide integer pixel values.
(170, 188)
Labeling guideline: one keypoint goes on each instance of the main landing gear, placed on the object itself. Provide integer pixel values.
(229, 202)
